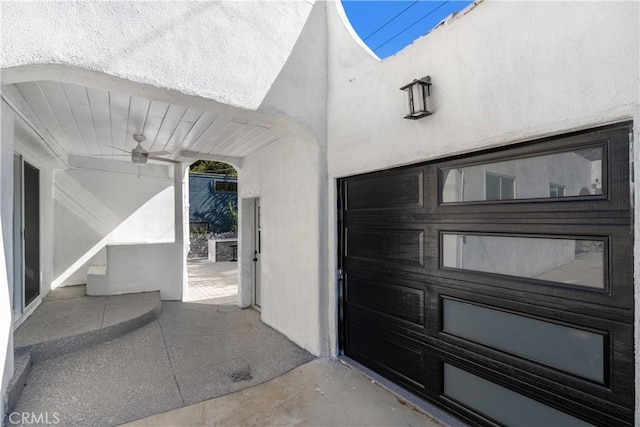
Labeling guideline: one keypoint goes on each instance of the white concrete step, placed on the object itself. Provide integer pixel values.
(98, 270)
(97, 280)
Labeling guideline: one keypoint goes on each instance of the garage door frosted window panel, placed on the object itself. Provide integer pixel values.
(562, 347)
(576, 172)
(502, 404)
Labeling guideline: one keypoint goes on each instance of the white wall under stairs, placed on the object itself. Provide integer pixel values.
(141, 267)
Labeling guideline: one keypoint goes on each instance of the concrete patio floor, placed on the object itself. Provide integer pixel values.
(68, 320)
(113, 360)
(192, 352)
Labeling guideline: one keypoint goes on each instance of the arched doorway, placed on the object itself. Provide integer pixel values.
(212, 261)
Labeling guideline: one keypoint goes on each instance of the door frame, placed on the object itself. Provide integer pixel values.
(256, 250)
(20, 307)
(18, 235)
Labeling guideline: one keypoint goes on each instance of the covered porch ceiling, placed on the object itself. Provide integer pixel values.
(91, 122)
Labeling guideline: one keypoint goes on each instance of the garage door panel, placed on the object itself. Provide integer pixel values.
(398, 246)
(567, 348)
(589, 264)
(572, 376)
(401, 302)
(576, 228)
(383, 322)
(591, 216)
(577, 403)
(541, 294)
(513, 277)
(539, 166)
(394, 190)
(382, 352)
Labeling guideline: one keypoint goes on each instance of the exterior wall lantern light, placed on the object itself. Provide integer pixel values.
(418, 93)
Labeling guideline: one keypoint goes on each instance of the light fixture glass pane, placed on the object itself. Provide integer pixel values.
(418, 98)
(577, 172)
(500, 403)
(568, 349)
(408, 95)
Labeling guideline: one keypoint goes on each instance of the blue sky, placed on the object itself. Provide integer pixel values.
(388, 26)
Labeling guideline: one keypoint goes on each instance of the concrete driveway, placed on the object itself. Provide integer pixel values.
(323, 392)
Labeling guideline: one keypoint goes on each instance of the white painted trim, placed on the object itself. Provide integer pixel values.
(352, 32)
(19, 319)
(61, 157)
(27, 155)
(245, 250)
(236, 162)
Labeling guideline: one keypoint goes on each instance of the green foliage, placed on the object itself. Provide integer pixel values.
(209, 166)
(234, 216)
(198, 229)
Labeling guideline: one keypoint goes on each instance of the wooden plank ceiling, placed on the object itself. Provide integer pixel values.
(89, 122)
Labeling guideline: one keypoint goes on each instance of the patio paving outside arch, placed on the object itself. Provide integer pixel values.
(208, 279)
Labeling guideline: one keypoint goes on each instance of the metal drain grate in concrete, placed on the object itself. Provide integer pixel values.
(241, 375)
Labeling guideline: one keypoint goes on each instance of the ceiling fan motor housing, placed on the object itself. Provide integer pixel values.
(139, 155)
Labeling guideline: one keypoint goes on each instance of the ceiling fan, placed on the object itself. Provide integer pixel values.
(139, 155)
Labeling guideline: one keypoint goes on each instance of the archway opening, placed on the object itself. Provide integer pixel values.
(212, 261)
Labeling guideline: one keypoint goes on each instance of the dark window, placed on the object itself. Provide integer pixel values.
(499, 187)
(556, 190)
(231, 187)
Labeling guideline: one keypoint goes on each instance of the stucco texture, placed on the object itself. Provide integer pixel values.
(285, 176)
(230, 52)
(502, 73)
(93, 209)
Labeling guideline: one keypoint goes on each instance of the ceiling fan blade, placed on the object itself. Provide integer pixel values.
(158, 153)
(129, 152)
(111, 155)
(162, 159)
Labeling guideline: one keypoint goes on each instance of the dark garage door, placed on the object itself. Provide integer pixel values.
(498, 285)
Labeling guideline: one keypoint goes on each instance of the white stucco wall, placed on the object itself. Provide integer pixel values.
(134, 268)
(284, 175)
(230, 52)
(16, 138)
(93, 209)
(289, 178)
(6, 183)
(503, 73)
(300, 90)
(6, 250)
